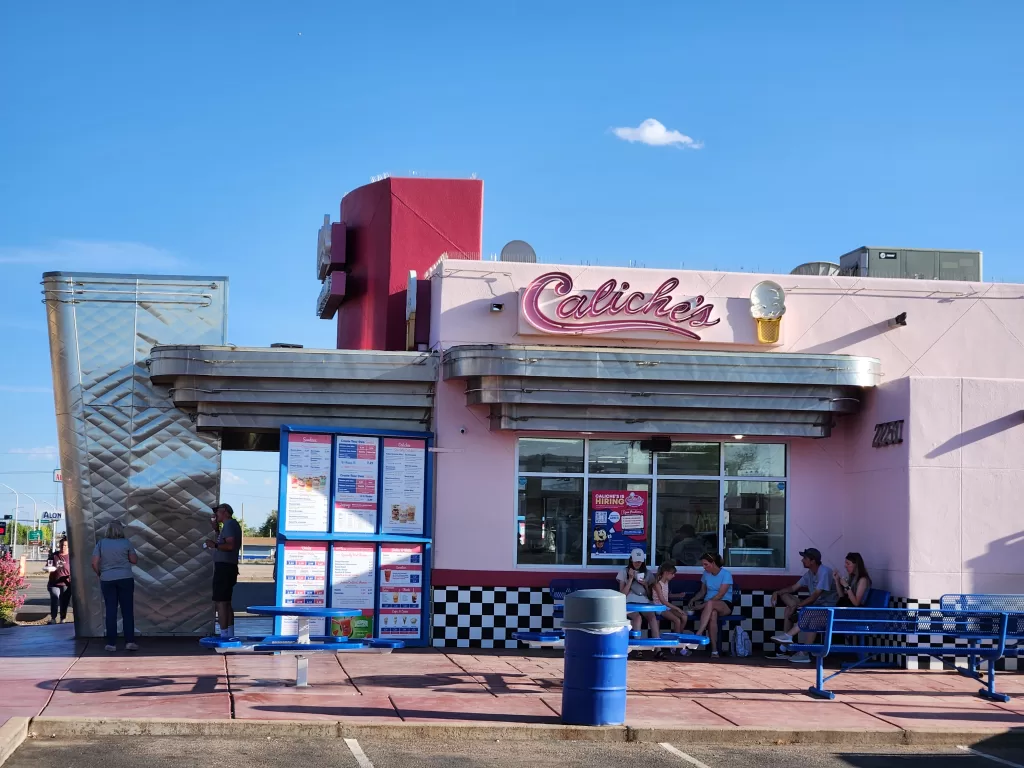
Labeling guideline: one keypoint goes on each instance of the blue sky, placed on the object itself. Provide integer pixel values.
(211, 138)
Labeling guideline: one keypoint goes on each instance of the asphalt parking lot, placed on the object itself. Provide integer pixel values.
(164, 752)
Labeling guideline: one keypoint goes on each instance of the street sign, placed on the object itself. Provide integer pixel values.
(56, 476)
(35, 535)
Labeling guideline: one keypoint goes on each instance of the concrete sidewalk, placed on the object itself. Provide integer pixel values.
(44, 671)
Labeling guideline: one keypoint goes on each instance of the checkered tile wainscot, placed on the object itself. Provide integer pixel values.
(486, 617)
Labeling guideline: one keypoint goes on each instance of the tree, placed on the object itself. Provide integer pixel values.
(269, 528)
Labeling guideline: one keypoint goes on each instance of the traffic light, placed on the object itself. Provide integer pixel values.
(3, 529)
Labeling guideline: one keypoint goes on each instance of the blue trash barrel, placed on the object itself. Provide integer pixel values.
(596, 646)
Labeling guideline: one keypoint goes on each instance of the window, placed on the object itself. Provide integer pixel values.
(619, 457)
(687, 520)
(691, 459)
(755, 523)
(728, 498)
(543, 455)
(755, 460)
(550, 521)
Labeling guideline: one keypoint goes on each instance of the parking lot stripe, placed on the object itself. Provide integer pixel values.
(358, 754)
(692, 760)
(989, 757)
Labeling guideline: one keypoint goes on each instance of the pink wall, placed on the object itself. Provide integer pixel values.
(955, 374)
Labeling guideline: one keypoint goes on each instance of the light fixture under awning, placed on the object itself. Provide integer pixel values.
(610, 389)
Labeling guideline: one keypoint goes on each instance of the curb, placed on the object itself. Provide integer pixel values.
(12, 733)
(74, 727)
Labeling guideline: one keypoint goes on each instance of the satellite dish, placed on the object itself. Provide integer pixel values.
(519, 251)
(825, 268)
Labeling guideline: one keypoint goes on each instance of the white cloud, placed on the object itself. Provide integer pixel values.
(227, 476)
(92, 254)
(25, 390)
(43, 452)
(654, 134)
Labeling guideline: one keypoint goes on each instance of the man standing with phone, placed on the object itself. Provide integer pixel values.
(226, 546)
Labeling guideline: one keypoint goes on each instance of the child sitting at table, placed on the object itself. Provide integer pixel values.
(660, 594)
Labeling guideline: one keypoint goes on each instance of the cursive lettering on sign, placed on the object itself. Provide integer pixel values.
(614, 308)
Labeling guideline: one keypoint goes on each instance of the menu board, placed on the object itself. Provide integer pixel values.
(352, 587)
(355, 484)
(305, 583)
(402, 492)
(306, 497)
(400, 596)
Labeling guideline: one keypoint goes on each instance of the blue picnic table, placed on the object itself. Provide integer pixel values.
(302, 643)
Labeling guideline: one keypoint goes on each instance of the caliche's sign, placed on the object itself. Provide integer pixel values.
(552, 304)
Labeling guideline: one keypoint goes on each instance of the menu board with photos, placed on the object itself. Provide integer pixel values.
(304, 583)
(307, 493)
(402, 491)
(352, 587)
(400, 592)
(355, 484)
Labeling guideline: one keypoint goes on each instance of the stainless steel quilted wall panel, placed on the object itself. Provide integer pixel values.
(127, 453)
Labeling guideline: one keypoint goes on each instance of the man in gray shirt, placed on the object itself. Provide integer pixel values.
(226, 546)
(821, 591)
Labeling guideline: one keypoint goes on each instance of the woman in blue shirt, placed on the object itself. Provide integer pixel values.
(716, 591)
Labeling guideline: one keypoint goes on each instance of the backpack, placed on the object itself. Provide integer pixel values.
(740, 642)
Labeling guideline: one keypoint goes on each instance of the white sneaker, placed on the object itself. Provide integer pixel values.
(131, 647)
(110, 648)
(780, 656)
(800, 658)
(782, 638)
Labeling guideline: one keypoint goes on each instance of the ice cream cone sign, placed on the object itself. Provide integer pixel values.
(767, 306)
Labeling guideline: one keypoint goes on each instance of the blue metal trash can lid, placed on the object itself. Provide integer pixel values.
(595, 610)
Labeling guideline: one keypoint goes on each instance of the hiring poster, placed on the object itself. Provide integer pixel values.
(306, 497)
(305, 583)
(352, 587)
(355, 484)
(618, 523)
(400, 595)
(403, 485)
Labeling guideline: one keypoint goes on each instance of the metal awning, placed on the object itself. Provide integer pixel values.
(244, 391)
(611, 389)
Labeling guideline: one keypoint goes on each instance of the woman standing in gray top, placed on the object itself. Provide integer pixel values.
(112, 559)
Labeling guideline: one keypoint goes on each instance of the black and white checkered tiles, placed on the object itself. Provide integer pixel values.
(486, 617)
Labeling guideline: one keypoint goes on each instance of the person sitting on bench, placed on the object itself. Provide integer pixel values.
(716, 592)
(853, 589)
(633, 584)
(820, 584)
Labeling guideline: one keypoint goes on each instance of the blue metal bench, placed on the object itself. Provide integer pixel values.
(1013, 605)
(860, 622)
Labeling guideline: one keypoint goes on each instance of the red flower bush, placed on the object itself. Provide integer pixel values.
(12, 583)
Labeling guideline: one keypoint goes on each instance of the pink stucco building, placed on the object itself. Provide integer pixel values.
(567, 390)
